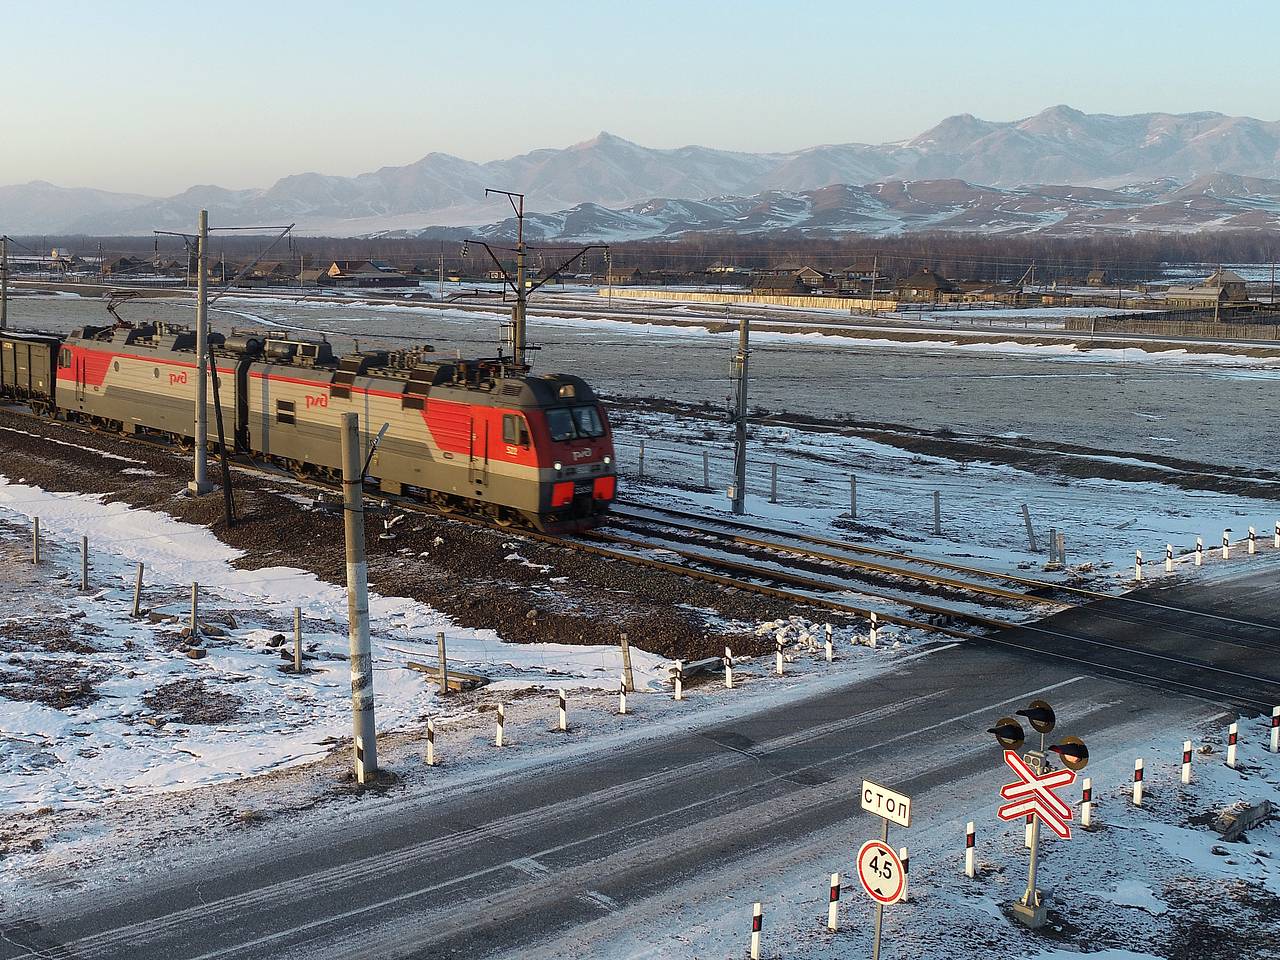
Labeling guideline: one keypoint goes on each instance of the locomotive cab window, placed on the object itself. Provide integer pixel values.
(560, 423)
(588, 422)
(514, 430)
(64, 358)
(285, 411)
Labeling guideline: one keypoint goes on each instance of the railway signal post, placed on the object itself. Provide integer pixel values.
(1032, 795)
(365, 736)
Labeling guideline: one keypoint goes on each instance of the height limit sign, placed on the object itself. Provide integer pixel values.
(880, 868)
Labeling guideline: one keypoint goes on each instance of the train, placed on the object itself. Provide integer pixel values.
(480, 437)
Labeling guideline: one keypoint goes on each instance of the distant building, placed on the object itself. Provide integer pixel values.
(1223, 287)
(925, 286)
(364, 273)
(770, 284)
(1097, 278)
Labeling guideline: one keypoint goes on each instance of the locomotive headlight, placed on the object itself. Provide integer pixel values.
(608, 460)
(558, 465)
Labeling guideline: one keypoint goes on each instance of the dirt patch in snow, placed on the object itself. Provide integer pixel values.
(190, 701)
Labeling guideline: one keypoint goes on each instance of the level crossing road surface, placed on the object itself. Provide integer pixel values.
(523, 863)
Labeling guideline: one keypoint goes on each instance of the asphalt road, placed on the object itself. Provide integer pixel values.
(534, 857)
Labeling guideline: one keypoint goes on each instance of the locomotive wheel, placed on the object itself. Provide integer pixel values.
(303, 471)
(441, 502)
(186, 444)
(501, 516)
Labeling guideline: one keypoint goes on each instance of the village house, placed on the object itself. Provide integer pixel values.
(925, 286)
(364, 273)
(1222, 288)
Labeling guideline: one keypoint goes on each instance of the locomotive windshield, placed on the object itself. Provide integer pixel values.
(570, 424)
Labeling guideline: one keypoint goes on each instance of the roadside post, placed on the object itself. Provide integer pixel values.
(1275, 729)
(970, 849)
(1186, 762)
(1253, 541)
(365, 732)
(1137, 566)
(1199, 551)
(628, 677)
(833, 904)
(728, 669)
(1226, 544)
(1032, 795)
(1168, 558)
(1233, 737)
(880, 868)
(84, 564)
(137, 594)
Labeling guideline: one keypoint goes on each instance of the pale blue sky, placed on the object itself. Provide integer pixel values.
(153, 97)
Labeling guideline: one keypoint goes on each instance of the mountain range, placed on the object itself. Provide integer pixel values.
(816, 188)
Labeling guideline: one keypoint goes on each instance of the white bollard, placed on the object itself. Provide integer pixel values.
(1233, 734)
(1226, 544)
(1137, 782)
(622, 697)
(1253, 541)
(1186, 761)
(564, 711)
(1276, 544)
(1086, 803)
(1168, 558)
(970, 849)
(833, 905)
(779, 657)
(1199, 551)
(502, 719)
(830, 650)
(1275, 729)
(1026, 837)
(431, 742)
(728, 669)
(906, 870)
(1137, 565)
(757, 922)
(679, 680)
(873, 636)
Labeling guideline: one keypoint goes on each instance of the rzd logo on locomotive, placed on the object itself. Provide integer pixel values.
(582, 454)
(178, 378)
(321, 400)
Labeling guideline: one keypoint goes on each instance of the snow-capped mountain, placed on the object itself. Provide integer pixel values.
(1057, 145)
(1218, 202)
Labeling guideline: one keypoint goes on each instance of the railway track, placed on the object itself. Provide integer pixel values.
(1080, 645)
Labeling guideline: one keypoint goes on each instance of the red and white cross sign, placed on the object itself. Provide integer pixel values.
(1032, 795)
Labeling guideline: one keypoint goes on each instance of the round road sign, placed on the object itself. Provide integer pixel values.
(880, 871)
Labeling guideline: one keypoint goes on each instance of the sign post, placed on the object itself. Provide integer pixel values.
(879, 867)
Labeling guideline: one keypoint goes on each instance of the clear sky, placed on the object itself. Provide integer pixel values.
(154, 97)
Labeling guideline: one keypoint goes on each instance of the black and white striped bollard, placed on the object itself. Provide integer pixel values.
(502, 719)
(564, 711)
(1276, 542)
(905, 857)
(1233, 735)
(679, 680)
(1199, 551)
(970, 849)
(833, 905)
(1253, 541)
(1086, 804)
(1168, 558)
(874, 635)
(1186, 762)
(622, 697)
(830, 649)
(1226, 544)
(1137, 566)
(1275, 729)
(728, 669)
(778, 645)
(1137, 782)
(757, 923)
(431, 742)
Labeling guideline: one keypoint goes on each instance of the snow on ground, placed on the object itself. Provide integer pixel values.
(1144, 884)
(118, 744)
(1104, 520)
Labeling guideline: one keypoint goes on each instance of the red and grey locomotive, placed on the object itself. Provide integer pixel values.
(470, 435)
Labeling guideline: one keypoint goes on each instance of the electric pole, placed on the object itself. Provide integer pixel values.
(200, 485)
(738, 493)
(4, 282)
(365, 733)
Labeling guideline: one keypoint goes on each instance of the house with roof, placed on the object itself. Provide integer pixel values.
(925, 286)
(1097, 277)
(364, 273)
(1219, 289)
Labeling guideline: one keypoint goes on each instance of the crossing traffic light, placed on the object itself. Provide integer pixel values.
(1009, 732)
(1074, 754)
(1041, 716)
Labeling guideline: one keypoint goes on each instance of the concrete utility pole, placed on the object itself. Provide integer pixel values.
(740, 375)
(366, 748)
(200, 484)
(4, 282)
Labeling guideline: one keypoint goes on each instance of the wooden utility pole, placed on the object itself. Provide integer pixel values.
(200, 485)
(738, 495)
(365, 736)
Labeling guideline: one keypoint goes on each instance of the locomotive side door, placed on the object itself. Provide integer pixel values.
(478, 452)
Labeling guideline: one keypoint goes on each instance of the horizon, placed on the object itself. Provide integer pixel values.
(281, 99)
